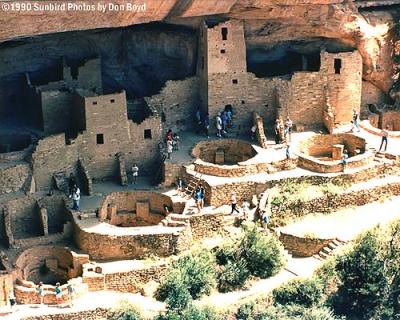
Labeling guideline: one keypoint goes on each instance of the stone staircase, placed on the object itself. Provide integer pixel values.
(380, 157)
(330, 249)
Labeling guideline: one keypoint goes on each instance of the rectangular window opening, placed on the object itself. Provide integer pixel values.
(223, 51)
(99, 138)
(112, 100)
(234, 81)
(224, 32)
(94, 103)
(147, 134)
(338, 65)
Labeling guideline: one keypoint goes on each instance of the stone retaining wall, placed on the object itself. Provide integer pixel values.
(329, 203)
(96, 314)
(301, 246)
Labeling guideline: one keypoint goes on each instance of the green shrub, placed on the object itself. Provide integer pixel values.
(304, 292)
(228, 251)
(191, 313)
(199, 272)
(173, 290)
(252, 311)
(125, 311)
(263, 253)
(193, 275)
(233, 275)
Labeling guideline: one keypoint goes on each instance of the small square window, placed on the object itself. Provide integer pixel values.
(100, 138)
(94, 103)
(112, 100)
(147, 133)
(223, 51)
(243, 102)
(234, 81)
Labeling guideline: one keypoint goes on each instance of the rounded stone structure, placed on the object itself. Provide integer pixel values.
(49, 264)
(237, 158)
(323, 152)
(224, 152)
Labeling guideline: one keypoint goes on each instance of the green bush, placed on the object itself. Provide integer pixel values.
(233, 275)
(199, 272)
(228, 251)
(370, 276)
(191, 313)
(173, 290)
(263, 253)
(125, 311)
(304, 292)
(192, 276)
(252, 311)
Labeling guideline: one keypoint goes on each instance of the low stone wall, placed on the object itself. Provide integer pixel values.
(27, 294)
(301, 246)
(313, 164)
(126, 201)
(160, 241)
(220, 194)
(366, 125)
(321, 145)
(329, 203)
(95, 314)
(234, 150)
(243, 168)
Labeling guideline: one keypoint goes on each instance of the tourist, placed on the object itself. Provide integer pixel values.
(166, 210)
(202, 195)
(253, 132)
(12, 300)
(234, 203)
(265, 220)
(224, 119)
(229, 116)
(76, 196)
(71, 183)
(135, 173)
(345, 159)
(288, 129)
(169, 135)
(179, 187)
(219, 125)
(288, 151)
(58, 293)
(176, 140)
(356, 117)
(40, 291)
(197, 199)
(71, 294)
(207, 125)
(170, 148)
(161, 147)
(384, 135)
(277, 131)
(198, 120)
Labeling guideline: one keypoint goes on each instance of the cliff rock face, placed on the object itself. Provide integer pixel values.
(268, 23)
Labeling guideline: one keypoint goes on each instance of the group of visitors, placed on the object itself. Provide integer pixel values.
(172, 141)
(223, 121)
(58, 293)
(283, 131)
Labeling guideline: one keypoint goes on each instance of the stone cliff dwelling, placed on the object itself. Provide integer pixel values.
(93, 99)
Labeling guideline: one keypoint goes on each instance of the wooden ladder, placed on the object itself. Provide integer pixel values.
(192, 185)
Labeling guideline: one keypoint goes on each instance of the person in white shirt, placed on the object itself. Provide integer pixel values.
(234, 203)
(135, 173)
(384, 134)
(219, 125)
(76, 197)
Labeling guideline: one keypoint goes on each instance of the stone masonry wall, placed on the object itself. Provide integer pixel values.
(13, 177)
(301, 246)
(179, 101)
